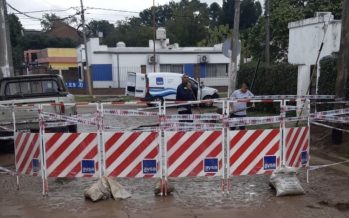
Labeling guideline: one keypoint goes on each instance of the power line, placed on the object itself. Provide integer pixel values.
(109, 9)
(40, 19)
(10, 6)
(49, 10)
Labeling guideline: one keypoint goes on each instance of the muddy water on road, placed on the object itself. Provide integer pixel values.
(326, 196)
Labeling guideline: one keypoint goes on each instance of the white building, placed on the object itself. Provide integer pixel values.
(305, 38)
(110, 65)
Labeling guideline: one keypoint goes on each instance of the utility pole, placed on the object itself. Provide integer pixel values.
(6, 67)
(88, 75)
(342, 66)
(343, 57)
(233, 67)
(267, 32)
(154, 35)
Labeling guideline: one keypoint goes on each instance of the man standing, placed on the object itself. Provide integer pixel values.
(185, 92)
(239, 108)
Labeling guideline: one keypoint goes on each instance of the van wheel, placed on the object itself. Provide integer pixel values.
(159, 99)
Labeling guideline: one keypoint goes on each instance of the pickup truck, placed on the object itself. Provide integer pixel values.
(32, 90)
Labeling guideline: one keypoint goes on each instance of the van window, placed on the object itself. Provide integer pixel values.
(159, 81)
(194, 84)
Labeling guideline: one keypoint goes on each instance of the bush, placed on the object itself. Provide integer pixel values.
(328, 75)
(278, 79)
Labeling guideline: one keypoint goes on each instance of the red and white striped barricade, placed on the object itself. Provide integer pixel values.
(194, 153)
(27, 153)
(132, 154)
(253, 151)
(297, 147)
(71, 154)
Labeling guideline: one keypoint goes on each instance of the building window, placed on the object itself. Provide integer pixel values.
(173, 68)
(216, 70)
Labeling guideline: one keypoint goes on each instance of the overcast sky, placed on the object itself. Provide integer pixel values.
(111, 16)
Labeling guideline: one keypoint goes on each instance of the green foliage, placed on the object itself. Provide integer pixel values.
(49, 19)
(130, 31)
(281, 13)
(214, 12)
(328, 75)
(188, 24)
(216, 35)
(250, 11)
(280, 79)
(163, 14)
(101, 26)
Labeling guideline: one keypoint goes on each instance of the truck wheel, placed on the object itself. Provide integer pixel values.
(7, 146)
(73, 128)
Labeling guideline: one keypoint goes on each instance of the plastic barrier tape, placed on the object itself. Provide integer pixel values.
(129, 113)
(194, 117)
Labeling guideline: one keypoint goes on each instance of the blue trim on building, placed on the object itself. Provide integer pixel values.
(102, 72)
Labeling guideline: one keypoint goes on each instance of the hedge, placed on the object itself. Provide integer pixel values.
(280, 79)
(328, 75)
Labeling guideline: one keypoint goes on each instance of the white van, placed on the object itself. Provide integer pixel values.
(162, 86)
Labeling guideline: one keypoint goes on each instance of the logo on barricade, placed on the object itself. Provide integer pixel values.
(88, 166)
(269, 162)
(211, 165)
(149, 167)
(304, 157)
(35, 165)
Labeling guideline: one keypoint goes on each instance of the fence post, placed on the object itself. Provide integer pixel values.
(100, 136)
(162, 151)
(225, 147)
(42, 152)
(283, 132)
(14, 140)
(308, 108)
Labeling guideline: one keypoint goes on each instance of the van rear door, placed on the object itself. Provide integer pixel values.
(136, 85)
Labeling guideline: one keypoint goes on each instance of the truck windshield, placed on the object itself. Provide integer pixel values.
(34, 87)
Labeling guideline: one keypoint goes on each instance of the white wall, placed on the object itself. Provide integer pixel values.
(305, 41)
(305, 37)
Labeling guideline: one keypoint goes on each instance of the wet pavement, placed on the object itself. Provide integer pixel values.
(249, 196)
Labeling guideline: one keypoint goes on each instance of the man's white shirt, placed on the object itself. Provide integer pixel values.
(240, 107)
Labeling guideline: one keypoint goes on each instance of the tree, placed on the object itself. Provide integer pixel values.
(101, 26)
(283, 12)
(189, 23)
(163, 14)
(16, 30)
(214, 11)
(251, 10)
(216, 35)
(131, 31)
(49, 19)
